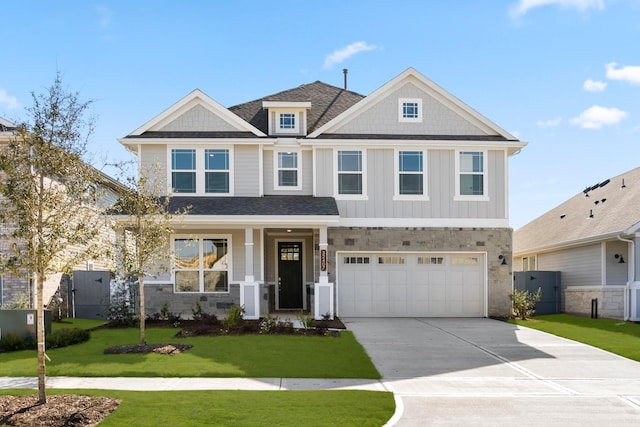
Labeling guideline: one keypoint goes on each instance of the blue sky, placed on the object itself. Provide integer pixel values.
(562, 75)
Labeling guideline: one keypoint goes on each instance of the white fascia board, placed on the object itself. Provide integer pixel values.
(511, 146)
(196, 141)
(569, 245)
(631, 230)
(262, 220)
(286, 104)
(197, 97)
(425, 222)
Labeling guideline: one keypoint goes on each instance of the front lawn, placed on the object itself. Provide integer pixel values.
(616, 336)
(242, 408)
(285, 356)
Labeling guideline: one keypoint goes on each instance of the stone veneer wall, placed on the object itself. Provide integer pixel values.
(13, 287)
(610, 302)
(493, 241)
(158, 294)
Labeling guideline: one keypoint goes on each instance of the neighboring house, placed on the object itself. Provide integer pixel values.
(14, 287)
(320, 199)
(591, 239)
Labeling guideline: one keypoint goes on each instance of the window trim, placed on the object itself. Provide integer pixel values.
(297, 117)
(401, 104)
(470, 197)
(201, 269)
(276, 169)
(363, 172)
(200, 169)
(396, 176)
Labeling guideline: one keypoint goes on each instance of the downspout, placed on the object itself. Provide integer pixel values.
(630, 278)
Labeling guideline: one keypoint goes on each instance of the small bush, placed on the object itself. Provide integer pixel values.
(13, 342)
(524, 302)
(268, 324)
(196, 312)
(306, 320)
(66, 337)
(122, 308)
(234, 317)
(164, 312)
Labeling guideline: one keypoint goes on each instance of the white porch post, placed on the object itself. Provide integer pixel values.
(634, 284)
(323, 290)
(249, 288)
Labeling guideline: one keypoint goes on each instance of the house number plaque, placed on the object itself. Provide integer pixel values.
(323, 260)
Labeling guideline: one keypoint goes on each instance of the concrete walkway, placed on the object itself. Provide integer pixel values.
(483, 372)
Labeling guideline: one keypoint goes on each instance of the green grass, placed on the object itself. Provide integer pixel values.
(76, 323)
(243, 408)
(616, 336)
(286, 356)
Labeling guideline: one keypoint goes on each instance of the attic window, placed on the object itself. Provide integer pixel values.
(410, 110)
(287, 121)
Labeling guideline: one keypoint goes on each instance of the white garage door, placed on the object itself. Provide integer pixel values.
(410, 285)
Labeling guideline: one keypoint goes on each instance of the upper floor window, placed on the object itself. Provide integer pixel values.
(410, 109)
(287, 121)
(201, 171)
(216, 170)
(183, 170)
(411, 177)
(287, 170)
(201, 264)
(471, 169)
(350, 173)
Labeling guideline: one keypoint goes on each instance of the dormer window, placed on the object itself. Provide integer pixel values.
(287, 121)
(287, 117)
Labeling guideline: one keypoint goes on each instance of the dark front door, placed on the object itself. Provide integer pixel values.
(290, 275)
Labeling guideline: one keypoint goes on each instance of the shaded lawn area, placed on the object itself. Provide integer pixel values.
(616, 336)
(286, 356)
(245, 408)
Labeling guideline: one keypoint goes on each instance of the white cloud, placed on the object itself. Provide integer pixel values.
(595, 117)
(524, 6)
(345, 53)
(628, 73)
(8, 101)
(549, 123)
(105, 14)
(594, 85)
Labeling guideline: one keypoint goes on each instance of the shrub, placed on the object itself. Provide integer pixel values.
(164, 312)
(234, 317)
(268, 324)
(66, 336)
(196, 312)
(306, 320)
(13, 342)
(524, 302)
(20, 301)
(122, 307)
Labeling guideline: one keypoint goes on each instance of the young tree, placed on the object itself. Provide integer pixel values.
(144, 227)
(49, 195)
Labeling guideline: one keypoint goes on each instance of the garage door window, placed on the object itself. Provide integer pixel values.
(424, 260)
(391, 260)
(464, 260)
(356, 260)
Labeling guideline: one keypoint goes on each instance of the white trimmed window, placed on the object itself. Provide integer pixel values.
(471, 183)
(287, 170)
(201, 264)
(410, 109)
(351, 179)
(288, 122)
(529, 263)
(410, 176)
(201, 171)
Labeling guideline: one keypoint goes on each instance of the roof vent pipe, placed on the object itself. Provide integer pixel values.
(345, 71)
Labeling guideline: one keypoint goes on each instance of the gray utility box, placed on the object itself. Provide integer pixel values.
(548, 281)
(22, 322)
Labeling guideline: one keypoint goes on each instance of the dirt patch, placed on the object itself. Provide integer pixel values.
(169, 349)
(60, 410)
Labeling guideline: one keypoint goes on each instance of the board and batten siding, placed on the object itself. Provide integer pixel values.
(579, 266)
(246, 170)
(153, 160)
(441, 177)
(306, 174)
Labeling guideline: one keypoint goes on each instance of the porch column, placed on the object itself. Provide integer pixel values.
(323, 298)
(249, 288)
(634, 283)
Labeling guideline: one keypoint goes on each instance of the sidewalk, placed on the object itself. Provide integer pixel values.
(160, 384)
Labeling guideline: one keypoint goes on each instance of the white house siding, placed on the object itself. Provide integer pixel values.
(198, 119)
(382, 117)
(324, 172)
(306, 168)
(246, 171)
(153, 160)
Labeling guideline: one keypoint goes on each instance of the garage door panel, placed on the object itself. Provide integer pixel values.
(411, 284)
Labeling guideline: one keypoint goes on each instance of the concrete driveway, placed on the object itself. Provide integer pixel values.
(483, 372)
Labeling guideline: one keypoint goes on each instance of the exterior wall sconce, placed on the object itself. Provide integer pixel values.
(503, 258)
(619, 258)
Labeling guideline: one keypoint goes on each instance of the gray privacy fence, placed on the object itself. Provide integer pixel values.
(549, 282)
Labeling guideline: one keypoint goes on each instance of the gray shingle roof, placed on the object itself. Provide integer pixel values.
(267, 205)
(327, 102)
(610, 209)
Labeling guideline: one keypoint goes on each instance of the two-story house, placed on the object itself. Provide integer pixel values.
(318, 198)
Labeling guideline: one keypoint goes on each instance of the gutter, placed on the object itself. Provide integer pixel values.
(631, 278)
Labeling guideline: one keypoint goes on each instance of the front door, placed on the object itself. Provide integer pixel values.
(290, 275)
